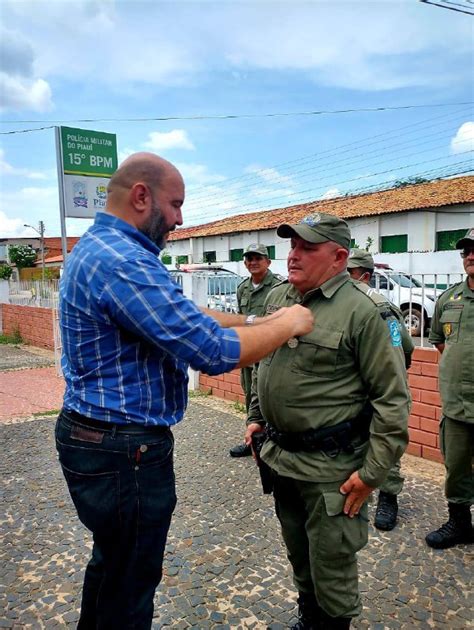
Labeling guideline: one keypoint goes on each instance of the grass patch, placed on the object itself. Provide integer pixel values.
(14, 339)
(199, 393)
(52, 412)
(238, 406)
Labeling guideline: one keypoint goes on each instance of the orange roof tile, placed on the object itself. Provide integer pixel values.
(411, 197)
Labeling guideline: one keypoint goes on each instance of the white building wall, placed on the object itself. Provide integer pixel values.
(420, 226)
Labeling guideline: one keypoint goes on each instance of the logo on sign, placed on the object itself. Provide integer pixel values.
(79, 195)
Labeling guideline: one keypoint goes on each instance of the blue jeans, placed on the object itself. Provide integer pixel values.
(123, 487)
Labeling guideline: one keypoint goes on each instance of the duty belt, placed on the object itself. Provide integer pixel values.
(331, 440)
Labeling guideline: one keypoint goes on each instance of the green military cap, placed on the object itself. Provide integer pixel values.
(467, 240)
(319, 228)
(360, 258)
(256, 248)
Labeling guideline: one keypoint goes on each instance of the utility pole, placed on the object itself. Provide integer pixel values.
(40, 230)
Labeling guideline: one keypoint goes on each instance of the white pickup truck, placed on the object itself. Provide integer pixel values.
(415, 300)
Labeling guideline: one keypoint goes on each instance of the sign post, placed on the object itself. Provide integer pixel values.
(86, 160)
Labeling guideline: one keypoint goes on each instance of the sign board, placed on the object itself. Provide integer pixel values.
(86, 161)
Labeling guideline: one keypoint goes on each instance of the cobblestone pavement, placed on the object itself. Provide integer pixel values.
(225, 564)
(20, 356)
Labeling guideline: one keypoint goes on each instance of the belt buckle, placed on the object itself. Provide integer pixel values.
(331, 447)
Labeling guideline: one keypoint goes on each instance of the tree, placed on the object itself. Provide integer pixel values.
(5, 272)
(21, 255)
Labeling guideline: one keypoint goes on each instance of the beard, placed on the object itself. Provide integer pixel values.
(155, 228)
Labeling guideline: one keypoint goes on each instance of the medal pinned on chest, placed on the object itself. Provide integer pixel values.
(292, 342)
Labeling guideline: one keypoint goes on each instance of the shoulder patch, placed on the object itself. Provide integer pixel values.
(455, 289)
(377, 299)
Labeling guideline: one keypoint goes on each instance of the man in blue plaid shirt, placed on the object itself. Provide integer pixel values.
(129, 335)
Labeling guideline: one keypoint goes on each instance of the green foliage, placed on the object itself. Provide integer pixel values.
(21, 255)
(368, 243)
(5, 272)
(15, 339)
(199, 393)
(409, 181)
(238, 406)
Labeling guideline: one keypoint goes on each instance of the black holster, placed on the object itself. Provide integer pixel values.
(266, 473)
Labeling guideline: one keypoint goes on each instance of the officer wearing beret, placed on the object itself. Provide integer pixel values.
(360, 266)
(335, 406)
(452, 332)
(251, 294)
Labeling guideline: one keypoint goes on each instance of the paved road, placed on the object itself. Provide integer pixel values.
(225, 563)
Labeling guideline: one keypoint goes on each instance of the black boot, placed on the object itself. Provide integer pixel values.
(308, 612)
(387, 510)
(241, 450)
(457, 531)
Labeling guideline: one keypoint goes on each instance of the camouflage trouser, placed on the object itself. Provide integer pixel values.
(246, 383)
(457, 446)
(322, 542)
(393, 483)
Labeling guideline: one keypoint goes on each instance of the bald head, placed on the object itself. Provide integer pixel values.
(140, 167)
(147, 192)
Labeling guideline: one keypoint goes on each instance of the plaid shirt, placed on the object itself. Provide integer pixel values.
(128, 332)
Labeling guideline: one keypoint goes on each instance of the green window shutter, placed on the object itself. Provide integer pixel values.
(166, 259)
(236, 255)
(182, 260)
(353, 243)
(209, 257)
(394, 244)
(446, 240)
(271, 251)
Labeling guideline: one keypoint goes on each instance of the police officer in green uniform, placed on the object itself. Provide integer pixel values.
(360, 266)
(251, 294)
(335, 405)
(452, 332)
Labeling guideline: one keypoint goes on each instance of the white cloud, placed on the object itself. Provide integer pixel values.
(464, 138)
(270, 175)
(344, 44)
(331, 193)
(7, 169)
(20, 93)
(166, 140)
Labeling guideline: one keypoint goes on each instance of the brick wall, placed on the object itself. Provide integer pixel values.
(34, 324)
(426, 408)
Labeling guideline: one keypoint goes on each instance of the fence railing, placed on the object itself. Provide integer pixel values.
(34, 293)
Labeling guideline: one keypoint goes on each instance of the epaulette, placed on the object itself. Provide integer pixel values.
(241, 283)
(450, 289)
(377, 298)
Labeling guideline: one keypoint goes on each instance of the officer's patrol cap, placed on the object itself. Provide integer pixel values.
(256, 248)
(360, 258)
(319, 228)
(467, 240)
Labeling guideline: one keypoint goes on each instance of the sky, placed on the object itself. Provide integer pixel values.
(273, 65)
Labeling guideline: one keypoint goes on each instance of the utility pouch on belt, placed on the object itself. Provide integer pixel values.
(266, 475)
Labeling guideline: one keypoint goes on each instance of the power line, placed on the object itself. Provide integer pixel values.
(233, 116)
(452, 6)
(345, 148)
(7, 133)
(283, 178)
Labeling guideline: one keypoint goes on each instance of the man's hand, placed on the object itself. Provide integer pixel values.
(252, 428)
(302, 319)
(357, 492)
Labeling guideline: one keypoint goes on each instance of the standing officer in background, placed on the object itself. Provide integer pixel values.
(251, 294)
(452, 332)
(335, 404)
(360, 266)
(129, 335)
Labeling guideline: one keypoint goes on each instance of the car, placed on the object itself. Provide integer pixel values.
(221, 284)
(415, 301)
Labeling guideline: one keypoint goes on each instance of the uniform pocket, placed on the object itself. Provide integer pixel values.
(450, 320)
(341, 536)
(317, 352)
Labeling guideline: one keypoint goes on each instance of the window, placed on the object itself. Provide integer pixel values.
(182, 260)
(166, 259)
(236, 255)
(209, 257)
(271, 251)
(394, 244)
(447, 240)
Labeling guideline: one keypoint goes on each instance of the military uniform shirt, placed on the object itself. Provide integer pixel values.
(453, 325)
(327, 378)
(251, 301)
